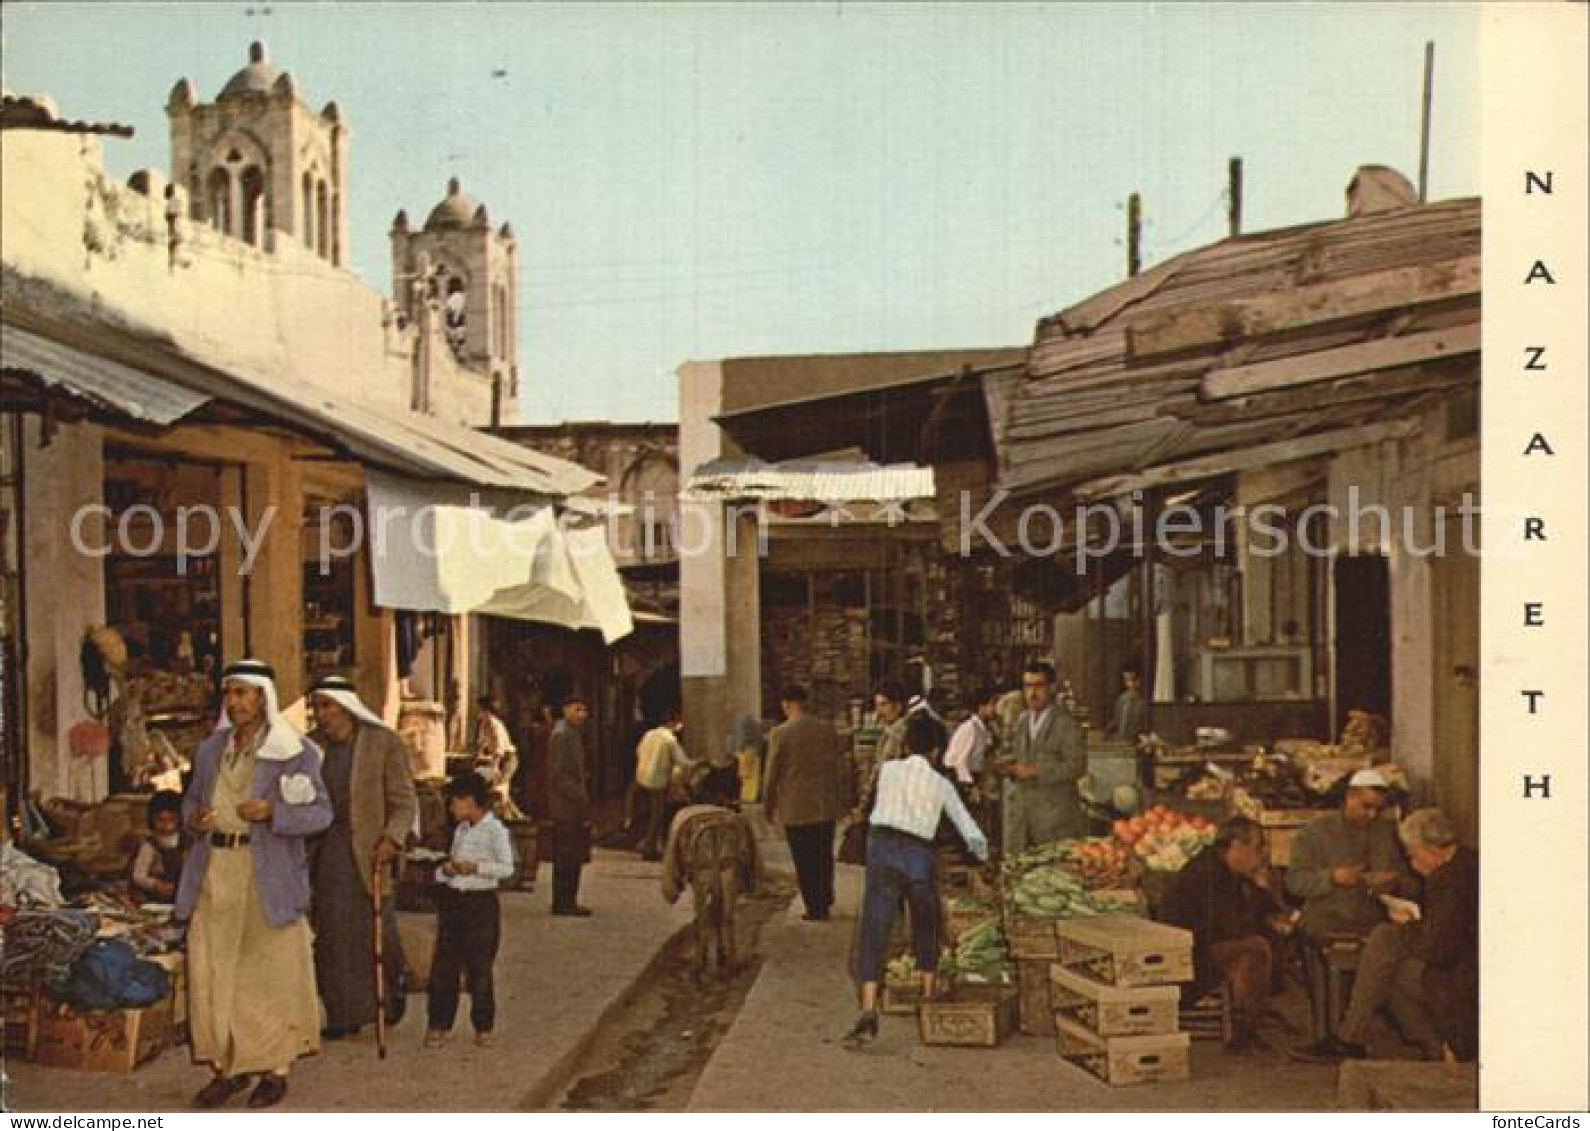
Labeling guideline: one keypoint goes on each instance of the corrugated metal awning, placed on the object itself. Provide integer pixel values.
(398, 440)
(829, 482)
(101, 382)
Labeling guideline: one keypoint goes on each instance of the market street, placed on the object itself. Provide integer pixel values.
(551, 996)
(779, 1050)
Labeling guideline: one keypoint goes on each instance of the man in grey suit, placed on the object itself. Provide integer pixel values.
(808, 786)
(1048, 755)
(568, 805)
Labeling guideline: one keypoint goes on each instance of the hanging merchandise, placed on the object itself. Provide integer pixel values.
(90, 766)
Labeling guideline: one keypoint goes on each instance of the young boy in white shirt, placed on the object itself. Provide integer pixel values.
(468, 918)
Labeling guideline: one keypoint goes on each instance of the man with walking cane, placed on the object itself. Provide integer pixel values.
(366, 771)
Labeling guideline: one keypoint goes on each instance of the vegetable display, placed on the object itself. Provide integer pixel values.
(1164, 839)
(1050, 891)
(980, 953)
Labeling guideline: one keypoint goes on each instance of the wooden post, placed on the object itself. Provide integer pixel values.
(1134, 233)
(1424, 121)
(1234, 196)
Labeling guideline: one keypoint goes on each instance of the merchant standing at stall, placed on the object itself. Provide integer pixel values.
(911, 797)
(1048, 755)
(1130, 720)
(1223, 897)
(256, 796)
(366, 771)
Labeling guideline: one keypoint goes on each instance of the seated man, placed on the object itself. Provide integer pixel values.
(1341, 864)
(1423, 964)
(1222, 898)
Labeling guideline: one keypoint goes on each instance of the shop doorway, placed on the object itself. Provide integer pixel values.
(1362, 631)
(1455, 601)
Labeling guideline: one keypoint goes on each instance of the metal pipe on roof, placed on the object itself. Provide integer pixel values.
(1424, 120)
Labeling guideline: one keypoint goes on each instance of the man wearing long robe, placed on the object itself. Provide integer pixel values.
(366, 771)
(256, 796)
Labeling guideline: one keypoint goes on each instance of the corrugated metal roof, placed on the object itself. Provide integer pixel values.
(106, 384)
(1119, 382)
(398, 440)
(811, 481)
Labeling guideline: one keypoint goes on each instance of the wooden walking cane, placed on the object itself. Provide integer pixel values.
(380, 961)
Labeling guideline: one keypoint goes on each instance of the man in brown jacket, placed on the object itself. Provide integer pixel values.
(366, 770)
(808, 786)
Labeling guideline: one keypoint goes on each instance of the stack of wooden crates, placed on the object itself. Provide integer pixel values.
(1114, 991)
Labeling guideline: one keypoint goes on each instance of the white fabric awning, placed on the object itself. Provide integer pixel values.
(433, 551)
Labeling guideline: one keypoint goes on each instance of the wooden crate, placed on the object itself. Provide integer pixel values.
(975, 1021)
(1122, 1061)
(1126, 950)
(1209, 1018)
(959, 920)
(112, 1040)
(900, 998)
(176, 968)
(1113, 1011)
(1031, 938)
(22, 1006)
(1035, 1012)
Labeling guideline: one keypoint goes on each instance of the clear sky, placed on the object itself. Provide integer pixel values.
(696, 181)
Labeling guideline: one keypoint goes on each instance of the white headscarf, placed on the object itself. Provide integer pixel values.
(282, 740)
(340, 690)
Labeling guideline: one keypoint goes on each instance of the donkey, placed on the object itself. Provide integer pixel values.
(713, 851)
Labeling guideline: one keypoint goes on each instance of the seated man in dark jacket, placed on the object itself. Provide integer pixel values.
(1423, 964)
(1222, 899)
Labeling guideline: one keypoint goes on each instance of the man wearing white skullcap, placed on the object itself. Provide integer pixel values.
(256, 796)
(366, 771)
(1341, 864)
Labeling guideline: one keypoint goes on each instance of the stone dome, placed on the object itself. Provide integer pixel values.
(256, 78)
(457, 210)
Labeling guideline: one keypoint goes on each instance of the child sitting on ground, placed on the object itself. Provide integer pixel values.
(468, 918)
(157, 867)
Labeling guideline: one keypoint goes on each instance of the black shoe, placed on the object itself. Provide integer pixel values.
(864, 1031)
(339, 1032)
(270, 1091)
(219, 1090)
(815, 917)
(577, 912)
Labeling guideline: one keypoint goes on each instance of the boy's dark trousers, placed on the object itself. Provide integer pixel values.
(468, 927)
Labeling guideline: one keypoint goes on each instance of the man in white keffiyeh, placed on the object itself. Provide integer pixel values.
(366, 771)
(256, 796)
